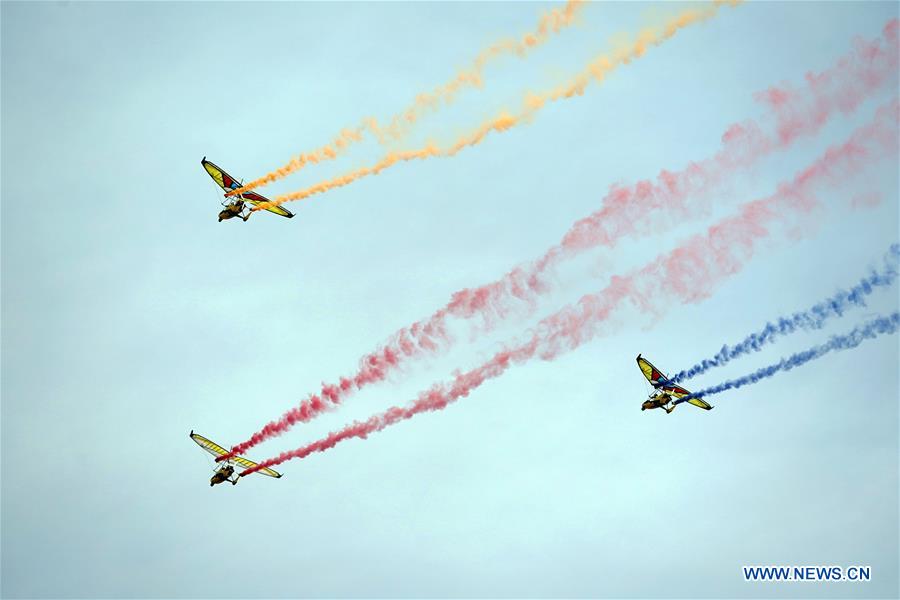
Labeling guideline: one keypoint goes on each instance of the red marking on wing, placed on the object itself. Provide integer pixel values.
(676, 390)
(253, 196)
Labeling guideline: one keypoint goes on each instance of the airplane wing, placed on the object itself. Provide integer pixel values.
(679, 392)
(257, 199)
(225, 181)
(228, 183)
(217, 450)
(653, 375)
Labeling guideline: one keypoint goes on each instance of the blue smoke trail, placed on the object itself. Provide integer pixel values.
(871, 330)
(812, 318)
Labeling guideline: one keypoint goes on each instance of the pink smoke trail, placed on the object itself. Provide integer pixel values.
(689, 273)
(635, 210)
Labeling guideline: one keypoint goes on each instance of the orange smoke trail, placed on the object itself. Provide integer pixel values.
(596, 70)
(552, 22)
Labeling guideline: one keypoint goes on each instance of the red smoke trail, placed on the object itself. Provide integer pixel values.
(689, 273)
(639, 209)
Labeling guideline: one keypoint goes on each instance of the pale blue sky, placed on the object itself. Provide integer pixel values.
(130, 316)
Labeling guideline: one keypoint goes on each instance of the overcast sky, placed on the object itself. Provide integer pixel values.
(130, 316)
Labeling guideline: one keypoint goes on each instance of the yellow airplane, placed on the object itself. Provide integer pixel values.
(235, 208)
(665, 391)
(225, 472)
